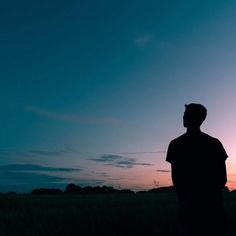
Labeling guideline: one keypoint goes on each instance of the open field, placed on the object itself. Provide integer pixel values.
(97, 214)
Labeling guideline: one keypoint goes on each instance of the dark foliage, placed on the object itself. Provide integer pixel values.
(74, 189)
(46, 191)
(169, 189)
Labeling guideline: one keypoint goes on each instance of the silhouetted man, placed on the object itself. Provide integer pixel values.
(198, 174)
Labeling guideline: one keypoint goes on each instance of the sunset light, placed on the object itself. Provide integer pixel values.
(92, 92)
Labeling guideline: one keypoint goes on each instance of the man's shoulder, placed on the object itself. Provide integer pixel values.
(178, 139)
(211, 138)
(203, 136)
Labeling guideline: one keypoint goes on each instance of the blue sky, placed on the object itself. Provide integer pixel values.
(99, 87)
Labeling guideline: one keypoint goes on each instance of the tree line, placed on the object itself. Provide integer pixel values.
(75, 189)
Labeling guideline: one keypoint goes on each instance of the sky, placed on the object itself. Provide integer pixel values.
(92, 92)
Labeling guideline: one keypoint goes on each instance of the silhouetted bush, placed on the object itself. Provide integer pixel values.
(72, 188)
(141, 192)
(46, 191)
(169, 189)
(126, 191)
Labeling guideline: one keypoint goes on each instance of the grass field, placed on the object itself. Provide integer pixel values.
(115, 214)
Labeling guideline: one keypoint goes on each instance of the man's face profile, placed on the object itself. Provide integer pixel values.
(186, 119)
(194, 115)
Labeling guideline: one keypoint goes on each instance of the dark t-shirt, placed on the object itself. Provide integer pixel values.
(197, 162)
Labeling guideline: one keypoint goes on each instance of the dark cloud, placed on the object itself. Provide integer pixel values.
(29, 167)
(163, 170)
(18, 177)
(129, 163)
(24, 182)
(140, 153)
(89, 182)
(107, 158)
(119, 161)
(25, 178)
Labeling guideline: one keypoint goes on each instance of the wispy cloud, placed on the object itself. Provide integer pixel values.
(25, 178)
(107, 158)
(72, 117)
(143, 40)
(34, 152)
(141, 153)
(36, 156)
(29, 167)
(47, 153)
(51, 152)
(9, 178)
(163, 171)
(119, 161)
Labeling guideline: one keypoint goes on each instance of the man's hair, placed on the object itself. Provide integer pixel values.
(197, 112)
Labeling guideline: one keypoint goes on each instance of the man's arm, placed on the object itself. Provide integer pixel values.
(170, 157)
(221, 157)
(224, 179)
(175, 176)
(170, 153)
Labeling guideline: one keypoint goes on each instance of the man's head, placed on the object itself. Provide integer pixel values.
(194, 115)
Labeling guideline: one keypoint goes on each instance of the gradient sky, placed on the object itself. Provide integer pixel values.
(92, 92)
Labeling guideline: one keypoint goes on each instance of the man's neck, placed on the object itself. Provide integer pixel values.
(193, 130)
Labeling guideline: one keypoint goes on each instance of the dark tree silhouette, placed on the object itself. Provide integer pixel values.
(46, 191)
(168, 189)
(72, 188)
